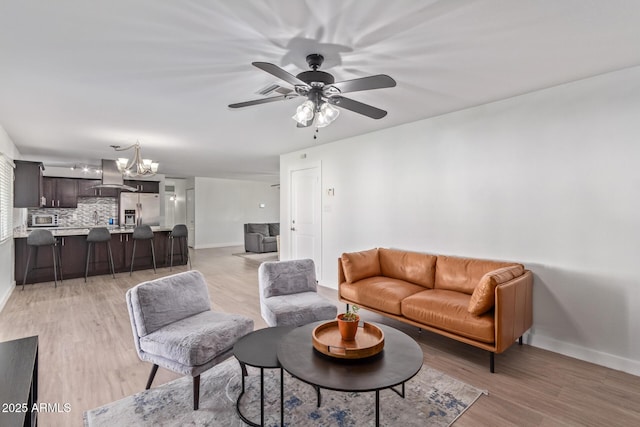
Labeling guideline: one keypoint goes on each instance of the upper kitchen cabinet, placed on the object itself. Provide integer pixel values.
(59, 192)
(86, 188)
(143, 186)
(27, 187)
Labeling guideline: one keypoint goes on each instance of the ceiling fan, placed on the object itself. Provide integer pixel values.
(323, 93)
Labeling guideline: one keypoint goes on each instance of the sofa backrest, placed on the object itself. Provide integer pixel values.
(411, 267)
(257, 228)
(463, 274)
(266, 229)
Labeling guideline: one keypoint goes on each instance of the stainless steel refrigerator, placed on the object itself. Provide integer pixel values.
(139, 209)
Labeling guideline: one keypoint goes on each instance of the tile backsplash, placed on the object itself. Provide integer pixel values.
(85, 213)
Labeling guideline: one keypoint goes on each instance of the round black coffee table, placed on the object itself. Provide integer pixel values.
(258, 349)
(400, 360)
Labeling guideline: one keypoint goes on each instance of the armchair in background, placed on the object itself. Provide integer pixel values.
(261, 237)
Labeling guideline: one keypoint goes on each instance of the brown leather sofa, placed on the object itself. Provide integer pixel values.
(480, 302)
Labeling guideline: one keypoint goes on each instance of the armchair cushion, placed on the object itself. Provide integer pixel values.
(197, 339)
(287, 277)
(297, 309)
(158, 303)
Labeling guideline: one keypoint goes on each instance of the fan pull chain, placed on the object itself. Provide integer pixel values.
(315, 136)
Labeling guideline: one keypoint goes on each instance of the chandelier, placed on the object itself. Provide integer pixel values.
(137, 166)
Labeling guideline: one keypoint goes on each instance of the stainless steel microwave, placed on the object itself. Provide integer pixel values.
(44, 220)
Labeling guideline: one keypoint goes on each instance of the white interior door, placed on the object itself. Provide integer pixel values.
(191, 217)
(306, 197)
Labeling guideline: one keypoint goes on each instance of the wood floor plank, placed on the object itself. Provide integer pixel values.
(87, 356)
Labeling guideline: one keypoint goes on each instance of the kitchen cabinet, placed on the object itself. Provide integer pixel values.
(27, 186)
(143, 186)
(73, 252)
(59, 192)
(85, 189)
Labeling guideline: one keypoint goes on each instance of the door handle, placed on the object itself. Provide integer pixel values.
(293, 229)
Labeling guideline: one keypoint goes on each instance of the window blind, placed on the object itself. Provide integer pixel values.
(6, 198)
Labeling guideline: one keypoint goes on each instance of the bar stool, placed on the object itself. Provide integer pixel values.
(35, 240)
(99, 235)
(142, 232)
(181, 233)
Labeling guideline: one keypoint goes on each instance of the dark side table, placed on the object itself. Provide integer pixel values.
(259, 350)
(399, 361)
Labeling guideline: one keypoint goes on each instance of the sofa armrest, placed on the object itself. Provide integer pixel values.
(253, 242)
(513, 310)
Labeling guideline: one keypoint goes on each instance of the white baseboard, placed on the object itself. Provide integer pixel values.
(586, 354)
(218, 245)
(4, 298)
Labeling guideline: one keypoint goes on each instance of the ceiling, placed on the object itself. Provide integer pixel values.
(78, 76)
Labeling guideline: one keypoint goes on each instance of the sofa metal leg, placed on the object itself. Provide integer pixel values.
(520, 340)
(152, 375)
(492, 361)
(196, 392)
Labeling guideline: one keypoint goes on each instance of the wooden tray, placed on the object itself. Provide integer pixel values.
(327, 340)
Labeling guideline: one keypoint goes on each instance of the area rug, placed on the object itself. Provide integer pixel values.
(432, 398)
(267, 256)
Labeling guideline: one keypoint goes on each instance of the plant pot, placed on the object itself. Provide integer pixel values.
(348, 328)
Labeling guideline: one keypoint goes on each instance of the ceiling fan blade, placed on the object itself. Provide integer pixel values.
(262, 101)
(357, 107)
(378, 81)
(280, 73)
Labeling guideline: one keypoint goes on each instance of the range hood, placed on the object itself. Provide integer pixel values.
(112, 177)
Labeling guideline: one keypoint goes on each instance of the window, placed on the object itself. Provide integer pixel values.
(6, 198)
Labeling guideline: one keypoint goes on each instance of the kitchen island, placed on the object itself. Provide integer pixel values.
(72, 243)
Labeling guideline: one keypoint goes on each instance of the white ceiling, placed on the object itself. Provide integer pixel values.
(78, 76)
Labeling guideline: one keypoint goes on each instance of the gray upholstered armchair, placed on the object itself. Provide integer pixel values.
(174, 327)
(261, 237)
(288, 294)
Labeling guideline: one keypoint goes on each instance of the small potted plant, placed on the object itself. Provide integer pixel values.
(348, 323)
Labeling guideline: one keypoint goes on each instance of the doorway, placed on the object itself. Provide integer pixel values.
(306, 224)
(191, 217)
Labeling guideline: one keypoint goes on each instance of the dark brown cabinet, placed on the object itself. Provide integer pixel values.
(86, 188)
(59, 192)
(143, 186)
(27, 187)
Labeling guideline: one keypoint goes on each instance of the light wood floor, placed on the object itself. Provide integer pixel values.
(87, 356)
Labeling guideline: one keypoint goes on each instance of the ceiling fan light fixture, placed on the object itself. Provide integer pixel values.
(304, 112)
(327, 114)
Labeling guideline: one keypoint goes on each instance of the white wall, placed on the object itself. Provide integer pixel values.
(223, 206)
(550, 179)
(7, 280)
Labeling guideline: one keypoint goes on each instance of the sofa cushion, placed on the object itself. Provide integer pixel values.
(463, 274)
(258, 228)
(447, 310)
(197, 339)
(412, 267)
(380, 293)
(274, 229)
(483, 298)
(360, 265)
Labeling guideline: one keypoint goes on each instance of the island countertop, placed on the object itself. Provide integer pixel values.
(74, 251)
(83, 231)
